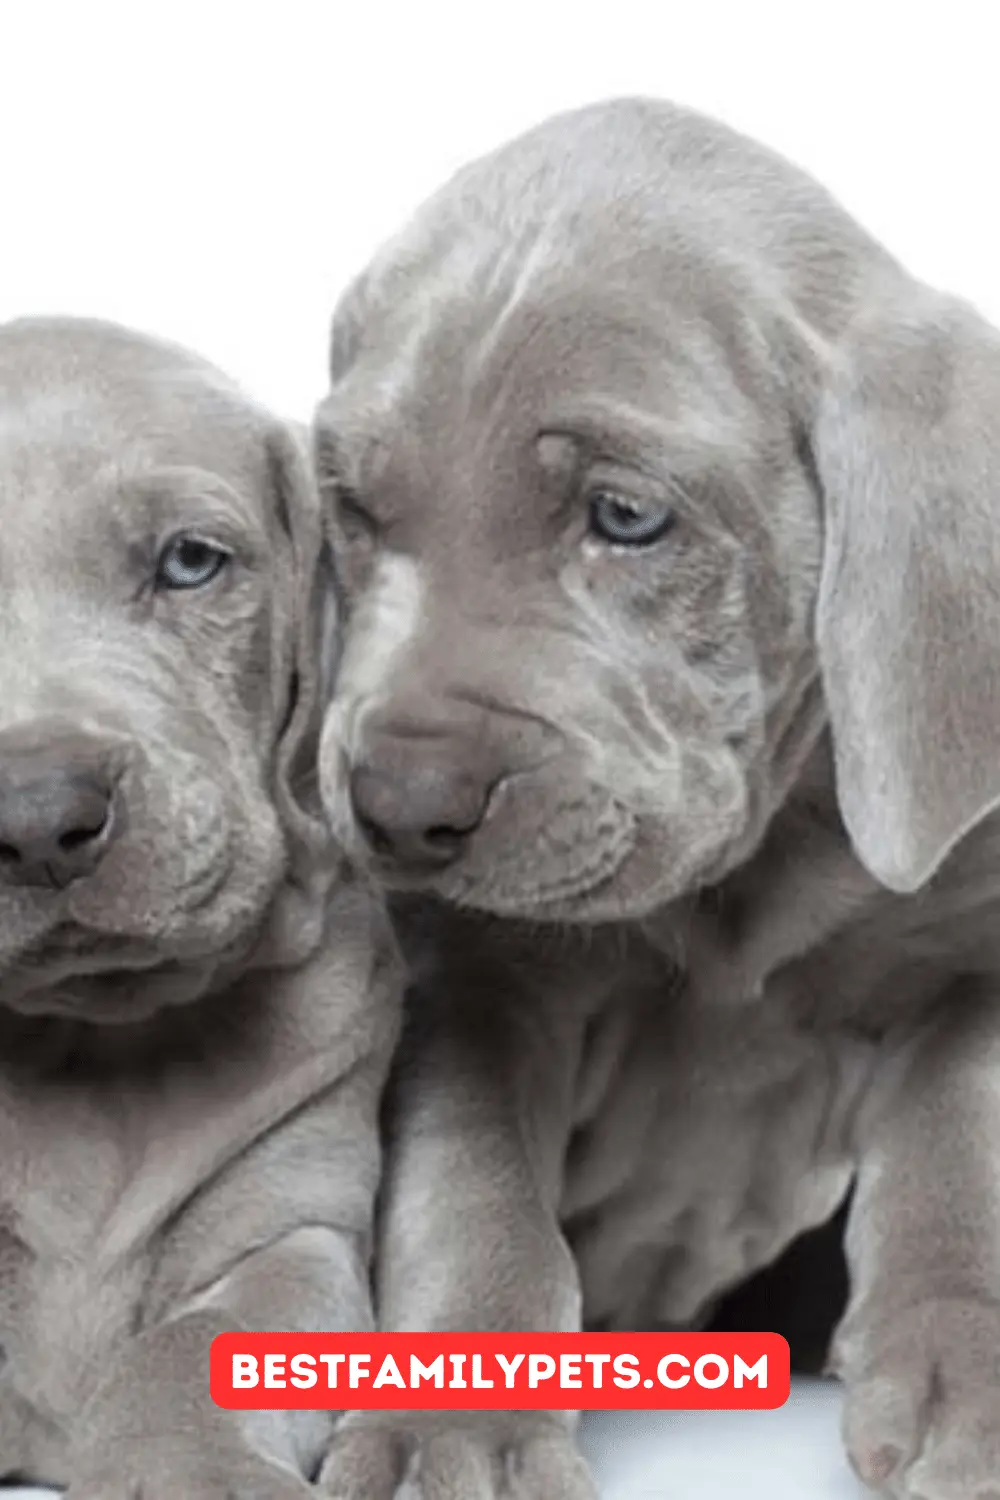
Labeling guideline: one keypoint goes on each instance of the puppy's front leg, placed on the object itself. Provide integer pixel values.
(919, 1347)
(470, 1240)
(149, 1428)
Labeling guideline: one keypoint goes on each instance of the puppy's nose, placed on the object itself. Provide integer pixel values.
(417, 804)
(57, 815)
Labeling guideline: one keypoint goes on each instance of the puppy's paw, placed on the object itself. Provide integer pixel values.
(434, 1456)
(185, 1470)
(922, 1410)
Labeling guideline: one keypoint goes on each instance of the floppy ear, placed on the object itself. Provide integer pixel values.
(302, 673)
(907, 448)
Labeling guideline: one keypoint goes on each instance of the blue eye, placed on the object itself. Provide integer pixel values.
(189, 563)
(626, 522)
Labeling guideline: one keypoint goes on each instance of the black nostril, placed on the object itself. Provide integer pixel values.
(376, 836)
(9, 855)
(443, 837)
(77, 837)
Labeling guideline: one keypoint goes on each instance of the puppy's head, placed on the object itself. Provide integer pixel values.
(160, 621)
(645, 464)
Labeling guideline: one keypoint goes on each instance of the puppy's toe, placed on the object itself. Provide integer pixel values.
(960, 1459)
(922, 1410)
(424, 1456)
(363, 1464)
(884, 1420)
(456, 1466)
(549, 1468)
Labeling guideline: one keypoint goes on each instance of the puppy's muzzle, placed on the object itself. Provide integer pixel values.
(59, 812)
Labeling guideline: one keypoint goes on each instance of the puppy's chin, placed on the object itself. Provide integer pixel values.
(98, 977)
(123, 997)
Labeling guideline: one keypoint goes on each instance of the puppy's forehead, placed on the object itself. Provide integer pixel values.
(692, 231)
(77, 398)
(453, 384)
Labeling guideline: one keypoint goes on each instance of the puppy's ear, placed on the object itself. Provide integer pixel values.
(304, 644)
(907, 448)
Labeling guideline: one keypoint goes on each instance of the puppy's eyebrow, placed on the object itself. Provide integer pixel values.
(688, 440)
(184, 492)
(558, 453)
(560, 457)
(682, 467)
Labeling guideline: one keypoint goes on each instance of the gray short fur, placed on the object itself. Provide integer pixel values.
(761, 754)
(193, 1037)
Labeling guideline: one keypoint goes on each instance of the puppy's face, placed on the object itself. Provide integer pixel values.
(579, 549)
(651, 473)
(147, 585)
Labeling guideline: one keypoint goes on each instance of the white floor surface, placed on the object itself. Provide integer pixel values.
(790, 1454)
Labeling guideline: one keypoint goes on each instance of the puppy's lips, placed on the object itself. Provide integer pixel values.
(568, 849)
(126, 994)
(70, 954)
(527, 894)
(626, 873)
(94, 977)
(88, 930)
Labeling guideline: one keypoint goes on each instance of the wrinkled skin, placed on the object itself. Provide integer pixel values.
(98, 469)
(728, 787)
(195, 1023)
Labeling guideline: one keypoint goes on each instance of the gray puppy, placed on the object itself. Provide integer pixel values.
(197, 1003)
(667, 505)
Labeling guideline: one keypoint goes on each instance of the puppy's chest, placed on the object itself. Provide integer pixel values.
(68, 1158)
(90, 1174)
(718, 1135)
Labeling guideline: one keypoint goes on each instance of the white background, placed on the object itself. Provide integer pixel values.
(215, 172)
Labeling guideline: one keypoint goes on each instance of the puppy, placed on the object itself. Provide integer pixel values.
(197, 1002)
(666, 505)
